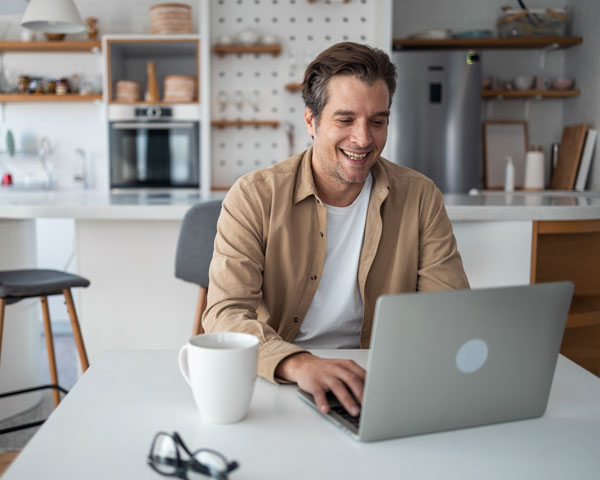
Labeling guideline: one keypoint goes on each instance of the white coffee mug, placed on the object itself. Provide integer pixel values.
(221, 370)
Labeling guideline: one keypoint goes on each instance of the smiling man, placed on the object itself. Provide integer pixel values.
(304, 248)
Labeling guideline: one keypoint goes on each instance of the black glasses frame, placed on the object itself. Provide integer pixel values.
(182, 466)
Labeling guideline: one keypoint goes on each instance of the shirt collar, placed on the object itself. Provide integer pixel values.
(305, 183)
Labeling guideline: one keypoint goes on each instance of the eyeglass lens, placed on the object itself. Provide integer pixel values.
(213, 461)
(164, 454)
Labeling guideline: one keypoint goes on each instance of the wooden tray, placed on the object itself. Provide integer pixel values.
(569, 153)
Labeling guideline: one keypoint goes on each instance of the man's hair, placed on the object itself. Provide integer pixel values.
(347, 58)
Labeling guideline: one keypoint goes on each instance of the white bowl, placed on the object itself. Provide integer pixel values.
(524, 82)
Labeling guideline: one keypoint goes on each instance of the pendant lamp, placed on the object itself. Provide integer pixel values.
(52, 16)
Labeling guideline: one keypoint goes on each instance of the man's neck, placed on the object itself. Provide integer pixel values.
(337, 194)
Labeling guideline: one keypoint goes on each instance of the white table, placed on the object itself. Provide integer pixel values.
(104, 427)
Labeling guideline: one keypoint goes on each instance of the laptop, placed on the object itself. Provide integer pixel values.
(453, 359)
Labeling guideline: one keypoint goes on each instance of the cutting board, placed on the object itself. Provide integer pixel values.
(569, 153)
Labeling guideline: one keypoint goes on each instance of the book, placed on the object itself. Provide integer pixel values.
(586, 160)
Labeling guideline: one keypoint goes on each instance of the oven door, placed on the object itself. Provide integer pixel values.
(154, 154)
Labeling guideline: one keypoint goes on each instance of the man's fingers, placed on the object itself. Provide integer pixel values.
(341, 392)
(321, 400)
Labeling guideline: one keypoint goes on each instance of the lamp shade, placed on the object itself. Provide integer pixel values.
(53, 16)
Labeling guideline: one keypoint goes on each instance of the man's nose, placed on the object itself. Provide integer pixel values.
(361, 134)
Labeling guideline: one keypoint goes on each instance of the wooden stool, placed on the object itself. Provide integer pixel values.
(15, 285)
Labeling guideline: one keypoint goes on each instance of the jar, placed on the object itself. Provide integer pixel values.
(62, 88)
(23, 84)
(91, 28)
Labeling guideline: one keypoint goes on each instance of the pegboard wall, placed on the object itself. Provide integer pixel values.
(252, 86)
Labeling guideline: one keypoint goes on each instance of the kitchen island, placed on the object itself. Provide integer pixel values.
(125, 244)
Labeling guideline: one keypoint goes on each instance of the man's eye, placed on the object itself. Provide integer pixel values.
(345, 120)
(380, 122)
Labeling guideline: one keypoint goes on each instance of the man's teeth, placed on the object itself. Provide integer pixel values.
(354, 156)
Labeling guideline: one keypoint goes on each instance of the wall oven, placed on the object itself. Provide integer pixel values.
(154, 147)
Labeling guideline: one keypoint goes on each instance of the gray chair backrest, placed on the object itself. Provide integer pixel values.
(196, 242)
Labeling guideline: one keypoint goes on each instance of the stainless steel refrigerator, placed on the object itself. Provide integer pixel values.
(435, 124)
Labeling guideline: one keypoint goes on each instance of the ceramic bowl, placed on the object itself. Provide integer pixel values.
(248, 36)
(562, 83)
(524, 82)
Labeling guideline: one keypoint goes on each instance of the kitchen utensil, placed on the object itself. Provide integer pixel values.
(179, 88)
(127, 91)
(55, 37)
(562, 83)
(571, 145)
(524, 82)
(152, 95)
(270, 39)
(10, 143)
(248, 36)
(170, 18)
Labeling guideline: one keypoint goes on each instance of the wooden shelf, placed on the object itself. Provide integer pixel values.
(257, 49)
(536, 94)
(43, 97)
(293, 87)
(486, 43)
(584, 312)
(83, 46)
(146, 104)
(245, 123)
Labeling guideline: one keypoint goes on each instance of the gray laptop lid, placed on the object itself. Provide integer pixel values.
(454, 359)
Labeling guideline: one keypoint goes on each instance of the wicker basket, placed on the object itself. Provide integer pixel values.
(179, 88)
(170, 18)
(127, 91)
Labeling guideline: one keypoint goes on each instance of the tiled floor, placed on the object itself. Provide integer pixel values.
(66, 361)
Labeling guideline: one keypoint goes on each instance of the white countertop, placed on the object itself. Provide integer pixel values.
(91, 205)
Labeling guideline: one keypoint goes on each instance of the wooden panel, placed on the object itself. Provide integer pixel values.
(568, 226)
(572, 257)
(582, 345)
(570, 250)
(571, 145)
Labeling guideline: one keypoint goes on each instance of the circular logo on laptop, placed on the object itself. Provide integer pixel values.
(472, 355)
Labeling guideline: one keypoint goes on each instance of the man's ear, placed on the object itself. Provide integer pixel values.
(310, 121)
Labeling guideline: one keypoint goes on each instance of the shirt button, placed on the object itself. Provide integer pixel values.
(295, 320)
(321, 233)
(314, 277)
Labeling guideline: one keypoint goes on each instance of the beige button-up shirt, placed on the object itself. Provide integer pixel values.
(270, 250)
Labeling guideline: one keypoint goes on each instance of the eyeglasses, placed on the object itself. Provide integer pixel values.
(165, 458)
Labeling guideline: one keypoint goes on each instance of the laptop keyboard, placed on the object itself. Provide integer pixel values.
(340, 410)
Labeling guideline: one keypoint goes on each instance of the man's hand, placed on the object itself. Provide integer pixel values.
(318, 376)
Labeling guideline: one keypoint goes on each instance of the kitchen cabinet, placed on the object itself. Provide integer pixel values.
(570, 250)
(127, 56)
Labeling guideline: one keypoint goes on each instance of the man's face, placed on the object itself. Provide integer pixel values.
(351, 131)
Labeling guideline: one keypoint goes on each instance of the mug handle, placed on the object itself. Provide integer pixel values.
(183, 364)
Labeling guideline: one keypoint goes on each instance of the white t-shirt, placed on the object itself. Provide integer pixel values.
(334, 318)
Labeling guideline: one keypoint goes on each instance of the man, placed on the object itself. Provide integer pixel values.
(304, 248)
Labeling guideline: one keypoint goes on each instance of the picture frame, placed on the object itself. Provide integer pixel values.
(502, 138)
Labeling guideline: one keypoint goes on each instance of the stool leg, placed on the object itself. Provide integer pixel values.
(200, 307)
(76, 330)
(2, 307)
(50, 348)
